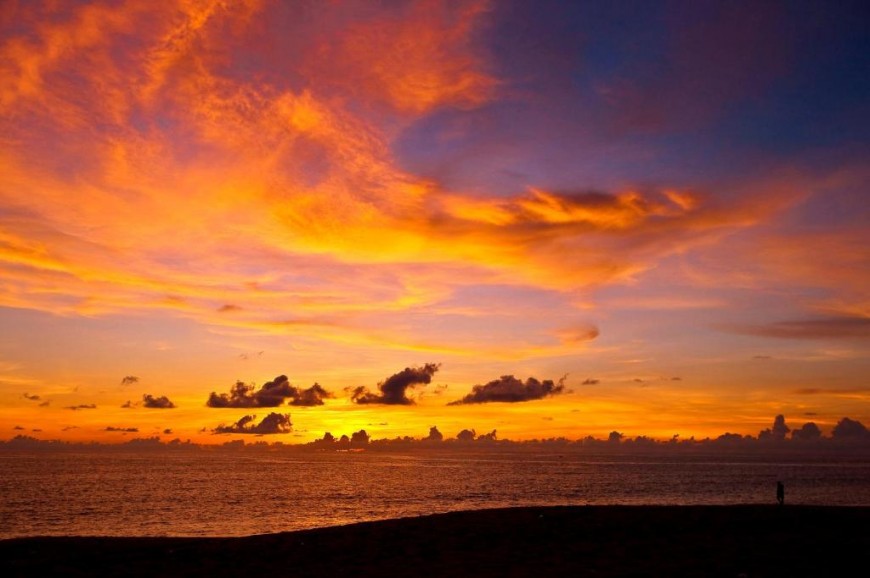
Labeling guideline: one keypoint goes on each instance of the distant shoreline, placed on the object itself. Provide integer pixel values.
(751, 540)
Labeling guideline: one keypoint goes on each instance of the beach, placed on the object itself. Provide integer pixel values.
(750, 541)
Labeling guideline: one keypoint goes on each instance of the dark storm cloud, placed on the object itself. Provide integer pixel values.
(508, 388)
(81, 406)
(243, 395)
(850, 429)
(359, 438)
(394, 388)
(123, 429)
(32, 397)
(271, 394)
(161, 402)
(312, 396)
(274, 423)
(821, 328)
(129, 380)
(434, 435)
(491, 436)
(777, 432)
(807, 432)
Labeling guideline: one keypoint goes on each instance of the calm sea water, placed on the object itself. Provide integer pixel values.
(243, 493)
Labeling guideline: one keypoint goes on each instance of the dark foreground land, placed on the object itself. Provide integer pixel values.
(751, 541)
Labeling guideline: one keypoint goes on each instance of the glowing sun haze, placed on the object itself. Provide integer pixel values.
(664, 202)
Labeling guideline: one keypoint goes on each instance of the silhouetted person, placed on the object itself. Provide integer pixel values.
(780, 493)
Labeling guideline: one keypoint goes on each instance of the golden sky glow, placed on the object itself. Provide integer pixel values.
(198, 192)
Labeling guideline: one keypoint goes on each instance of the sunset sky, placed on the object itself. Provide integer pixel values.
(665, 203)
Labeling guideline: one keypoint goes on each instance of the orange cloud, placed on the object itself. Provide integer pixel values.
(27, 62)
(827, 262)
(416, 60)
(173, 184)
(578, 335)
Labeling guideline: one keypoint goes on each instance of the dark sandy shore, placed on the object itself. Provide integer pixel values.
(750, 541)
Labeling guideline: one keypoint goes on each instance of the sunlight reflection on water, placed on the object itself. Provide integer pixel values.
(232, 494)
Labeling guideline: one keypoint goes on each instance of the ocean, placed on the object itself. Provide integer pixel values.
(236, 493)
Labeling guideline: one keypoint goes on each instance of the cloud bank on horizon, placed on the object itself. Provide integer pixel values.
(671, 188)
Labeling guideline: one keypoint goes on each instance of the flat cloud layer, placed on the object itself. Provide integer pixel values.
(823, 328)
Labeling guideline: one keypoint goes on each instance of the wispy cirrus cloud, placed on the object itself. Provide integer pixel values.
(291, 174)
(470, 181)
(414, 61)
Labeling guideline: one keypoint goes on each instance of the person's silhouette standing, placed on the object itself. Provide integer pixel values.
(780, 493)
